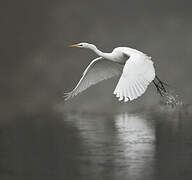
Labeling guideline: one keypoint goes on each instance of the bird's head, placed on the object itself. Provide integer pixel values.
(83, 45)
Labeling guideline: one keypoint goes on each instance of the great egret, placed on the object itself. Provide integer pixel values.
(135, 67)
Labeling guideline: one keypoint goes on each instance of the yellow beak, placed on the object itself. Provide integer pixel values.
(74, 45)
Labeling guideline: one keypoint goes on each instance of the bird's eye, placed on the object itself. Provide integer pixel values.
(80, 45)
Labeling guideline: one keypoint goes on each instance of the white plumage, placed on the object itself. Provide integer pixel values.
(137, 74)
(136, 70)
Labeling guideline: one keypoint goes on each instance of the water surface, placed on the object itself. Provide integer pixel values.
(134, 146)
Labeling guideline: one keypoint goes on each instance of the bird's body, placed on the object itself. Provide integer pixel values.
(136, 70)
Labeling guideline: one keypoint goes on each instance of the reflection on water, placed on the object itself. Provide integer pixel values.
(136, 136)
(122, 145)
(86, 146)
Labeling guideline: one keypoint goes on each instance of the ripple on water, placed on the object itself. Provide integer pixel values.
(171, 98)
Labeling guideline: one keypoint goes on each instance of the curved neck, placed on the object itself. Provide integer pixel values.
(100, 53)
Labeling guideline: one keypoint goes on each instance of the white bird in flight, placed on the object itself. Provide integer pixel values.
(135, 68)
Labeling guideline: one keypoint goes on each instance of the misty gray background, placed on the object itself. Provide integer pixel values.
(37, 66)
(101, 138)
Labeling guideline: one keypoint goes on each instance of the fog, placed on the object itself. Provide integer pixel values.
(37, 66)
(92, 136)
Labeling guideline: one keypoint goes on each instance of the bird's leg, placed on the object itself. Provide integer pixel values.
(158, 88)
(160, 85)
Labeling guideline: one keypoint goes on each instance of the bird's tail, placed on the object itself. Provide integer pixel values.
(160, 85)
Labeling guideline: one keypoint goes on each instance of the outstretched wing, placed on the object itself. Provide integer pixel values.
(98, 70)
(138, 73)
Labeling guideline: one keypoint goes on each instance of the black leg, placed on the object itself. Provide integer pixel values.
(161, 86)
(158, 88)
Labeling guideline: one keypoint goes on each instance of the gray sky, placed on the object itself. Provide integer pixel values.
(36, 65)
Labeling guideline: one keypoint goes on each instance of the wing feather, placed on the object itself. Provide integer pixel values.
(138, 73)
(98, 70)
